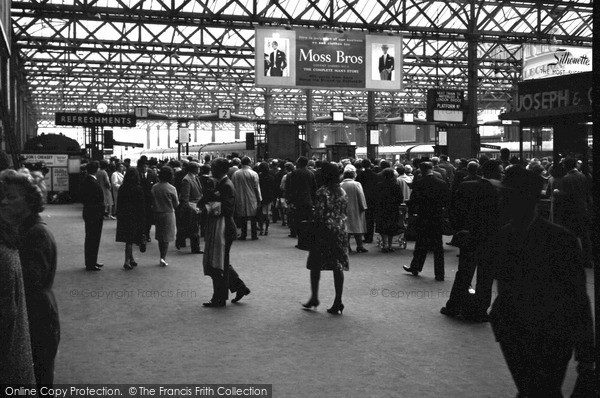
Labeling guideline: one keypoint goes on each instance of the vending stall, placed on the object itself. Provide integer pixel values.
(59, 158)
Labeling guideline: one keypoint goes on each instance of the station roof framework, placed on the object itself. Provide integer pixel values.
(183, 58)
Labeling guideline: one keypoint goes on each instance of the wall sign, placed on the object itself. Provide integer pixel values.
(543, 61)
(561, 92)
(49, 160)
(555, 97)
(93, 119)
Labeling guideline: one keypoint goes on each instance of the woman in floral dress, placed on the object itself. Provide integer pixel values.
(329, 250)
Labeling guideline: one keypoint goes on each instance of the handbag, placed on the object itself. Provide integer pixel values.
(143, 244)
(463, 239)
(307, 234)
(213, 209)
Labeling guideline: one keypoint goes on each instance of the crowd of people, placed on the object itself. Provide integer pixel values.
(542, 312)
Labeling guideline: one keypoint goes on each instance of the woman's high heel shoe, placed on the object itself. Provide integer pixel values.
(335, 308)
(311, 303)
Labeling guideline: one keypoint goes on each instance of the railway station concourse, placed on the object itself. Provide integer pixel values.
(120, 77)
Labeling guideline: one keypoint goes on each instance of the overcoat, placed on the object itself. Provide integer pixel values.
(356, 223)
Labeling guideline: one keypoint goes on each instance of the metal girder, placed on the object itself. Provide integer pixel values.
(185, 57)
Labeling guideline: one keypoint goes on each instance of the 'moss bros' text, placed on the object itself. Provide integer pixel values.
(340, 57)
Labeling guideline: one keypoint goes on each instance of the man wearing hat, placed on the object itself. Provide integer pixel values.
(386, 64)
(191, 193)
(542, 314)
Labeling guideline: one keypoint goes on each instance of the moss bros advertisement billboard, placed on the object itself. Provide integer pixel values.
(322, 59)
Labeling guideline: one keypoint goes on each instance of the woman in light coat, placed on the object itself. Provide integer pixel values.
(116, 179)
(164, 202)
(356, 223)
(104, 181)
(248, 197)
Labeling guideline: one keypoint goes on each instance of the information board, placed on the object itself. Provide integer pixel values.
(445, 105)
(60, 179)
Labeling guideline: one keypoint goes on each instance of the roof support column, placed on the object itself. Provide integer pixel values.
(311, 137)
(472, 82)
(268, 104)
(169, 134)
(371, 125)
(148, 136)
(236, 110)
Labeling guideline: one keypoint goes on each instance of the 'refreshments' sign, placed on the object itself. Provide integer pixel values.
(445, 105)
(543, 61)
(94, 119)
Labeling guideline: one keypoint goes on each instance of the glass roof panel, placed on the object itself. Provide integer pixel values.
(157, 49)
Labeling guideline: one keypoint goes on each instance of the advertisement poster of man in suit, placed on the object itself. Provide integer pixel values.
(386, 63)
(276, 61)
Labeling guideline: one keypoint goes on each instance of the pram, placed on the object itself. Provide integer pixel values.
(402, 225)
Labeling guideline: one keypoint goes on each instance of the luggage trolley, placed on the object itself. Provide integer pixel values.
(402, 225)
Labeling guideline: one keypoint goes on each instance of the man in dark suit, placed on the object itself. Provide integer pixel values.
(542, 312)
(386, 64)
(369, 179)
(446, 165)
(277, 61)
(301, 187)
(438, 169)
(147, 179)
(429, 197)
(226, 278)
(577, 201)
(476, 214)
(191, 193)
(92, 199)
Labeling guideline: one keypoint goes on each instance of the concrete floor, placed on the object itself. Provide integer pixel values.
(148, 325)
